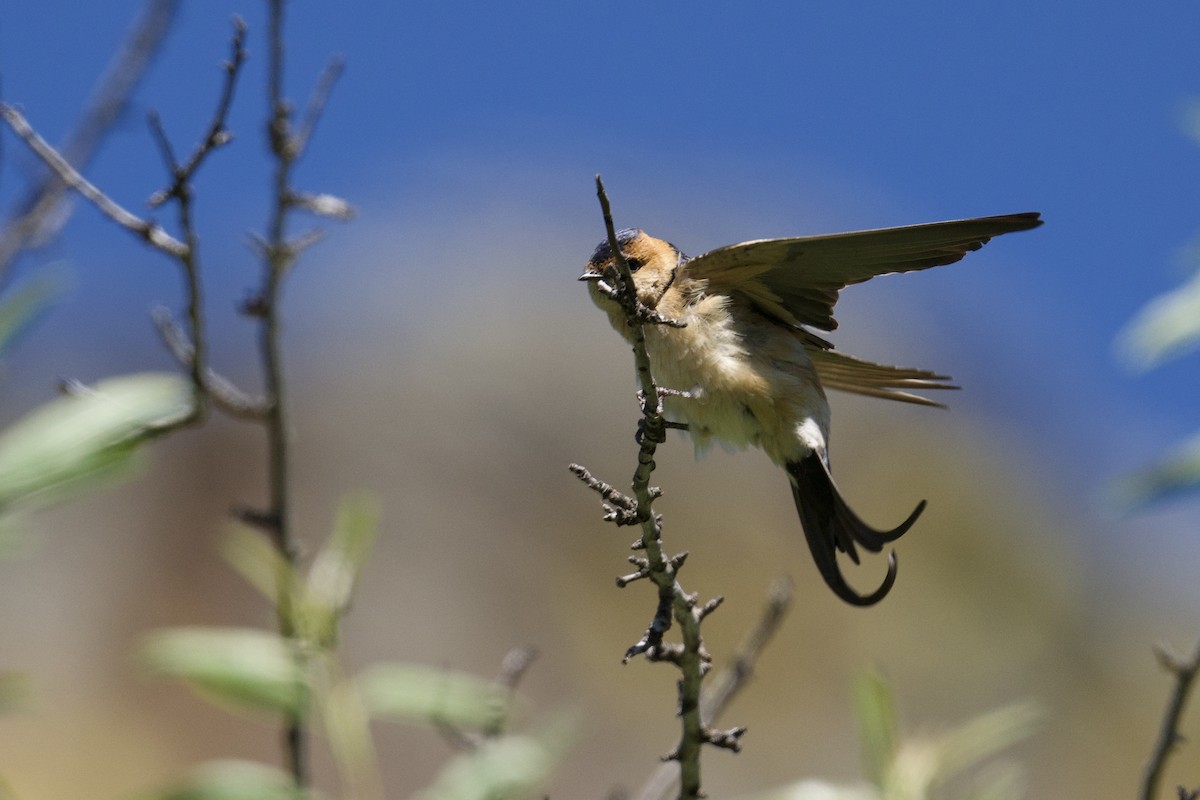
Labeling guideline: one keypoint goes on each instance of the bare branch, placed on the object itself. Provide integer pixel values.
(728, 682)
(224, 394)
(35, 219)
(147, 230)
(215, 135)
(1169, 736)
(674, 604)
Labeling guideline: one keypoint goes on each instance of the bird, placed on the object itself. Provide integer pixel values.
(746, 367)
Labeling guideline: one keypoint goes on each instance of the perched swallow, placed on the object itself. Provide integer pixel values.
(755, 371)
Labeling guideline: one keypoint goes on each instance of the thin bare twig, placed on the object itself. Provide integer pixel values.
(1169, 736)
(147, 230)
(726, 684)
(215, 136)
(224, 394)
(277, 258)
(37, 217)
(674, 604)
(278, 254)
(205, 383)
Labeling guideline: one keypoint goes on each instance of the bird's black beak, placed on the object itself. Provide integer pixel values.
(591, 274)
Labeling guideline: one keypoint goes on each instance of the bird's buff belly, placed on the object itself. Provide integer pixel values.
(731, 395)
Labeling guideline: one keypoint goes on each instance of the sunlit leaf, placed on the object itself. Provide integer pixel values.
(245, 667)
(1175, 474)
(232, 780)
(984, 736)
(502, 768)
(876, 715)
(86, 435)
(1166, 327)
(256, 559)
(411, 693)
(347, 727)
(336, 567)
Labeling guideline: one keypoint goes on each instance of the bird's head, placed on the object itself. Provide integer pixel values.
(653, 263)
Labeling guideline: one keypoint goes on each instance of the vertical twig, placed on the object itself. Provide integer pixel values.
(724, 686)
(279, 254)
(674, 604)
(277, 259)
(1168, 734)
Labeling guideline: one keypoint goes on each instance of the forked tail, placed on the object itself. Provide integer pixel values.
(830, 526)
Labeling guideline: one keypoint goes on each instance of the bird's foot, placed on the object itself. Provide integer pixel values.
(660, 434)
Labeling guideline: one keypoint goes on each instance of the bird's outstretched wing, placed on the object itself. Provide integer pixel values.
(798, 280)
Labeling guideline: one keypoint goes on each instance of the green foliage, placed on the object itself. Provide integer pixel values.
(232, 780)
(914, 768)
(921, 767)
(1167, 327)
(501, 768)
(336, 568)
(412, 693)
(1177, 472)
(89, 434)
(877, 726)
(253, 670)
(244, 667)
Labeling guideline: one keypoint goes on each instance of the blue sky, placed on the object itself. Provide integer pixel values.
(710, 125)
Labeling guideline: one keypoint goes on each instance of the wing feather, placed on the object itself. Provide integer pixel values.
(802, 276)
(850, 374)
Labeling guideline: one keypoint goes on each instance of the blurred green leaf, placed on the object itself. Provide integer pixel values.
(1177, 473)
(81, 437)
(336, 567)
(232, 780)
(256, 559)
(246, 667)
(504, 768)
(21, 306)
(411, 693)
(1166, 327)
(876, 715)
(348, 729)
(983, 737)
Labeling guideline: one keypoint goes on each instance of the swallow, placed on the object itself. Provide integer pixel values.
(754, 371)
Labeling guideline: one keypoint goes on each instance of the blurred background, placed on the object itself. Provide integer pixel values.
(441, 354)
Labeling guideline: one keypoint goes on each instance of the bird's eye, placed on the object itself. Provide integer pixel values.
(634, 264)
